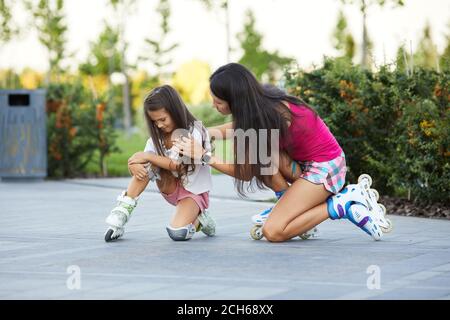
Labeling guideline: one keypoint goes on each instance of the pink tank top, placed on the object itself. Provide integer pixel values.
(309, 137)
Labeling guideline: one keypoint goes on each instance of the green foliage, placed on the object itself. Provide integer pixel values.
(262, 63)
(49, 19)
(105, 57)
(156, 51)
(367, 45)
(77, 126)
(342, 38)
(7, 28)
(208, 115)
(444, 60)
(364, 4)
(393, 126)
(426, 54)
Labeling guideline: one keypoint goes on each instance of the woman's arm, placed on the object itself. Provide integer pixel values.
(225, 168)
(222, 132)
(189, 147)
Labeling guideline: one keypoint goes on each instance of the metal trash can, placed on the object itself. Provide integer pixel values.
(23, 134)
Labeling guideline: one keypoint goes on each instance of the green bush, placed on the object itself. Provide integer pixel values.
(208, 115)
(78, 125)
(393, 126)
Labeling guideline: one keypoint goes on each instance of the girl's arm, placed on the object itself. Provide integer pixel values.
(156, 160)
(222, 132)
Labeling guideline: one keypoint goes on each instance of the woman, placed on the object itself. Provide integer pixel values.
(313, 196)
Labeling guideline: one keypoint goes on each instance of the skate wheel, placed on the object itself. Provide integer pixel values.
(108, 235)
(305, 236)
(365, 176)
(388, 228)
(256, 233)
(375, 194)
(383, 208)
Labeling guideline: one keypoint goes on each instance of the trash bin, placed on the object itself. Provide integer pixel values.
(23, 134)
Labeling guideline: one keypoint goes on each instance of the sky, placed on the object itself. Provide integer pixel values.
(297, 28)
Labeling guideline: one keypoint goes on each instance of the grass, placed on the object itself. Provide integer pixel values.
(117, 161)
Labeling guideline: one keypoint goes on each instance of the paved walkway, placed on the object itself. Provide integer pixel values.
(52, 231)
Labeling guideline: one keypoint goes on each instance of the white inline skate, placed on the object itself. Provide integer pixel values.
(260, 218)
(207, 224)
(119, 216)
(358, 203)
(258, 223)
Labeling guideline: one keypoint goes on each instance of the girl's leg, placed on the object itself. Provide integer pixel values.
(300, 209)
(136, 187)
(121, 213)
(167, 184)
(186, 212)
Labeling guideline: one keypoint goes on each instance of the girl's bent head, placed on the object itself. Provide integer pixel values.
(165, 111)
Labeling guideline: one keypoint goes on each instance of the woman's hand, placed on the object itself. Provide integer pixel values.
(139, 157)
(190, 148)
(138, 170)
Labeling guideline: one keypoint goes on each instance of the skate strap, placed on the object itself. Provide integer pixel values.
(120, 209)
(278, 194)
(127, 200)
(363, 222)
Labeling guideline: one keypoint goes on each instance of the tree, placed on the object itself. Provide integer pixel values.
(105, 57)
(342, 38)
(122, 9)
(264, 64)
(8, 29)
(404, 60)
(157, 52)
(224, 6)
(426, 54)
(444, 60)
(364, 7)
(49, 20)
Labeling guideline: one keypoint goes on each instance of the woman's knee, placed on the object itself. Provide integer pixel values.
(273, 233)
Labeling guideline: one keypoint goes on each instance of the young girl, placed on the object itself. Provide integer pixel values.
(317, 169)
(182, 183)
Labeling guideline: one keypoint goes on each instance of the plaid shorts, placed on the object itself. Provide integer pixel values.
(330, 173)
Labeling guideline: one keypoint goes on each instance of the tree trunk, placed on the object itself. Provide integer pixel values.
(126, 101)
(227, 25)
(126, 85)
(364, 57)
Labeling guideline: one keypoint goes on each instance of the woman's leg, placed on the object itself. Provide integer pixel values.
(286, 174)
(289, 169)
(301, 208)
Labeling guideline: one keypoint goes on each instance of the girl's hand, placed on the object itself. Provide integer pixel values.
(138, 170)
(189, 147)
(139, 157)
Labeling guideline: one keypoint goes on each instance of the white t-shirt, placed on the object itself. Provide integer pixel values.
(199, 180)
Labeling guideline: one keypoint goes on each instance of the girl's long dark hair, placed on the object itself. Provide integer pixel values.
(166, 97)
(253, 106)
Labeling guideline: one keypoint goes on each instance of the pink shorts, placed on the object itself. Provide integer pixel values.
(330, 173)
(180, 193)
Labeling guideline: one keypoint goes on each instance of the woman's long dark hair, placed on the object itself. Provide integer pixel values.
(166, 97)
(253, 106)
